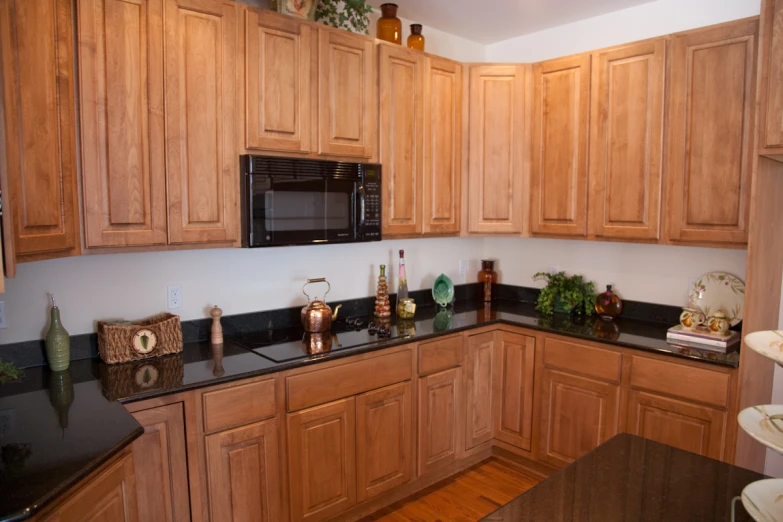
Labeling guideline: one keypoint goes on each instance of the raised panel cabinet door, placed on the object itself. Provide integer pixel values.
(561, 118)
(439, 396)
(108, 497)
(201, 158)
(160, 457)
(771, 74)
(384, 440)
(123, 135)
(577, 415)
(497, 152)
(479, 376)
(39, 160)
(442, 193)
(346, 94)
(277, 75)
(402, 138)
(513, 389)
(322, 460)
(710, 133)
(685, 425)
(626, 141)
(243, 473)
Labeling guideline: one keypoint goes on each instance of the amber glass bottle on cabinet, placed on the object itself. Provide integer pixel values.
(487, 277)
(416, 40)
(389, 27)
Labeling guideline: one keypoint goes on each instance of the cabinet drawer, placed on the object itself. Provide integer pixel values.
(331, 384)
(687, 382)
(238, 405)
(582, 359)
(442, 354)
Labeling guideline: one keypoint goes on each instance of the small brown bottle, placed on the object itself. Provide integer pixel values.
(487, 277)
(416, 39)
(608, 304)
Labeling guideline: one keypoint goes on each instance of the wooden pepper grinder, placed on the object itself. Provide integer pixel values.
(217, 328)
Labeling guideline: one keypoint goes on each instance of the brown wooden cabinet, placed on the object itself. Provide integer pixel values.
(479, 378)
(38, 156)
(442, 174)
(244, 473)
(160, 457)
(201, 103)
(122, 128)
(439, 429)
(401, 138)
(322, 460)
(346, 94)
(771, 78)
(513, 389)
(626, 141)
(497, 168)
(710, 135)
(384, 440)
(559, 170)
(278, 69)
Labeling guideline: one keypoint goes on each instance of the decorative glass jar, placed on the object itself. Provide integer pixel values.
(416, 40)
(389, 27)
(608, 304)
(487, 277)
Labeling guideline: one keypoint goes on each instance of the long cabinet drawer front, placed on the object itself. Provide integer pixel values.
(582, 359)
(331, 384)
(440, 355)
(239, 405)
(687, 382)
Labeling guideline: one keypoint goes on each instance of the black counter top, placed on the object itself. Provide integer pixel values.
(631, 478)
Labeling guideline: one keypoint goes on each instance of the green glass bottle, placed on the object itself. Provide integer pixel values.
(58, 343)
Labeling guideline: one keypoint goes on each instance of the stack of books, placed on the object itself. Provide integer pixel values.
(702, 337)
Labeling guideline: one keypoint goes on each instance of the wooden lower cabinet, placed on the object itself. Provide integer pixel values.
(577, 415)
(685, 425)
(438, 437)
(513, 389)
(244, 473)
(160, 456)
(479, 374)
(322, 460)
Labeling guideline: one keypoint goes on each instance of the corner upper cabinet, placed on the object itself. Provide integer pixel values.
(771, 76)
(401, 73)
(38, 149)
(496, 169)
(200, 92)
(346, 94)
(711, 133)
(123, 135)
(278, 69)
(626, 141)
(560, 137)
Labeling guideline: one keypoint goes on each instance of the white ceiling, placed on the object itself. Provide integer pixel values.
(490, 21)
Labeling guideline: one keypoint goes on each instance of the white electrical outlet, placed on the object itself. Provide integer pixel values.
(463, 268)
(2, 315)
(175, 297)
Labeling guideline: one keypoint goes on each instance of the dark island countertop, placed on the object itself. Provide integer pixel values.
(631, 478)
(55, 429)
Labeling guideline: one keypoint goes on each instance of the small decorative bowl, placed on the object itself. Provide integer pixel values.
(443, 291)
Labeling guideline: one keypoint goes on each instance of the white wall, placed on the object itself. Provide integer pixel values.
(628, 25)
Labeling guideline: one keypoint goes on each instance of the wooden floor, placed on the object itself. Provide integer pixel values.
(465, 497)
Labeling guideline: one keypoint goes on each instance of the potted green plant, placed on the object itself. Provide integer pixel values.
(565, 294)
(9, 372)
(351, 15)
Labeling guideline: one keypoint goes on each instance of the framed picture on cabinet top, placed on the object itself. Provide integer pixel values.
(299, 8)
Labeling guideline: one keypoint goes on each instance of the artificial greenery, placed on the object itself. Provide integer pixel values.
(562, 293)
(9, 372)
(351, 15)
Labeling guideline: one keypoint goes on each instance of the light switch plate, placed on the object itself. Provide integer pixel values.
(6, 422)
(3, 324)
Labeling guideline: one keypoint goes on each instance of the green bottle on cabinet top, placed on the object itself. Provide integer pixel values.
(58, 343)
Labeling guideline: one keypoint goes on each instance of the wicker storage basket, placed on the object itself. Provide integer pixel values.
(124, 381)
(153, 337)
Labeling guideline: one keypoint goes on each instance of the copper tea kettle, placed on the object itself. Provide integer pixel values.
(317, 315)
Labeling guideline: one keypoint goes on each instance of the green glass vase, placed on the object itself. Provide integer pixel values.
(58, 343)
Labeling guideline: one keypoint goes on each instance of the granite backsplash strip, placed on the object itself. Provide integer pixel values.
(30, 354)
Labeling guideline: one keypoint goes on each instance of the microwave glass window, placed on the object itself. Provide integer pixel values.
(289, 211)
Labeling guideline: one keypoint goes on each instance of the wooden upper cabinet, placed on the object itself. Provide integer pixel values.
(513, 389)
(442, 191)
(559, 169)
(277, 74)
(479, 377)
(123, 135)
(626, 141)
(38, 157)
(401, 138)
(346, 94)
(711, 133)
(771, 76)
(497, 151)
(439, 430)
(200, 86)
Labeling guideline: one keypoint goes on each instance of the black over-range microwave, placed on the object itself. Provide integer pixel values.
(294, 201)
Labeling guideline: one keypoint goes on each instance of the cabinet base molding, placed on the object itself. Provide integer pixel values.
(514, 455)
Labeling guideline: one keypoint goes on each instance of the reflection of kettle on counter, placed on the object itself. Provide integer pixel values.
(319, 342)
(317, 316)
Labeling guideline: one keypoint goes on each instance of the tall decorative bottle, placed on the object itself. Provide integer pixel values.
(58, 343)
(382, 306)
(402, 283)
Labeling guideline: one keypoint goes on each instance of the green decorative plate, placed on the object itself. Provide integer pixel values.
(443, 290)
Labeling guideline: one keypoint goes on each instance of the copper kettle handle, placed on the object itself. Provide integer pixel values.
(319, 280)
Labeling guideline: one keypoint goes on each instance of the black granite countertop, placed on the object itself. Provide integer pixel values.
(631, 478)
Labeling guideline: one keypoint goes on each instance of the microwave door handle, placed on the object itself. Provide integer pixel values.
(361, 205)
